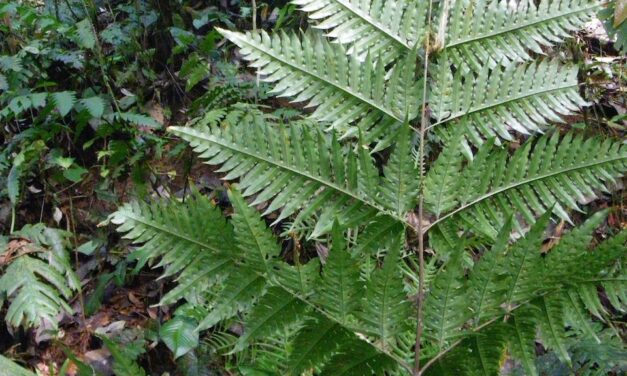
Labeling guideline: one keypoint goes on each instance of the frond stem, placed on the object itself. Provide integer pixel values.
(424, 118)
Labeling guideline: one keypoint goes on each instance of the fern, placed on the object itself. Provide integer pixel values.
(85, 34)
(392, 27)
(312, 70)
(123, 363)
(64, 101)
(38, 280)
(492, 103)
(348, 180)
(95, 106)
(270, 161)
(491, 32)
(548, 173)
(526, 289)
(281, 299)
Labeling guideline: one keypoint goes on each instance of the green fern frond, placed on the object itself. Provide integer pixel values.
(256, 251)
(485, 280)
(445, 306)
(359, 358)
(341, 290)
(540, 175)
(182, 235)
(123, 364)
(400, 185)
(492, 32)
(64, 101)
(276, 309)
(550, 317)
(301, 172)
(38, 283)
(494, 102)
(576, 315)
(525, 291)
(85, 34)
(521, 330)
(523, 265)
(137, 119)
(37, 291)
(343, 89)
(95, 106)
(256, 244)
(317, 340)
(381, 230)
(442, 181)
(383, 28)
(239, 292)
(386, 306)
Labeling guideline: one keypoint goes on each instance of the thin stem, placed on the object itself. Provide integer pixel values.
(72, 224)
(254, 6)
(424, 119)
(12, 218)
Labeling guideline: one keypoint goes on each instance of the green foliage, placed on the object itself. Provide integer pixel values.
(300, 169)
(123, 362)
(37, 277)
(179, 335)
(548, 173)
(12, 368)
(346, 182)
(497, 32)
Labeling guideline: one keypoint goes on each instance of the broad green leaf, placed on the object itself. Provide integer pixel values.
(180, 335)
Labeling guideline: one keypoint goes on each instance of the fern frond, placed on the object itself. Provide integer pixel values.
(341, 290)
(386, 307)
(442, 180)
(359, 358)
(36, 290)
(181, 234)
(523, 265)
(253, 270)
(400, 185)
(256, 254)
(380, 231)
(551, 321)
(38, 283)
(485, 280)
(445, 306)
(64, 101)
(528, 293)
(256, 244)
(492, 32)
(239, 292)
(316, 341)
(343, 89)
(276, 309)
(123, 364)
(95, 106)
(300, 172)
(540, 175)
(494, 102)
(383, 28)
(522, 333)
